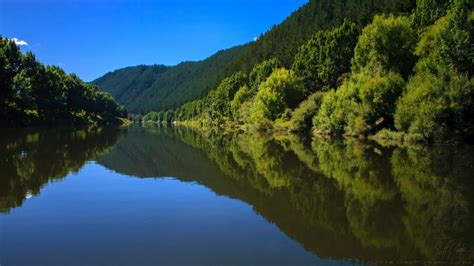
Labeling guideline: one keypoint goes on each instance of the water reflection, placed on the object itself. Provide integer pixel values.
(342, 200)
(31, 158)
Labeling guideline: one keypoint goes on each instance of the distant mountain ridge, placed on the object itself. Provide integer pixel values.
(153, 88)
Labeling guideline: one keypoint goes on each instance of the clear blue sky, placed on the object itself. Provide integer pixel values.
(92, 37)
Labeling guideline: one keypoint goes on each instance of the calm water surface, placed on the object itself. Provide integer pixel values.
(173, 196)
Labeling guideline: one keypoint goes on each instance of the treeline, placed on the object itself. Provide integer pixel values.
(33, 94)
(154, 88)
(403, 76)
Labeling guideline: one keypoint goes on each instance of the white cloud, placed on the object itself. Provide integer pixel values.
(19, 42)
(255, 39)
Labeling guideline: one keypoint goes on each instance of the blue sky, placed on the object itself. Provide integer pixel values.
(92, 37)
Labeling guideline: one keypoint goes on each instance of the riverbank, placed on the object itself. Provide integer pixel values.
(33, 119)
(384, 137)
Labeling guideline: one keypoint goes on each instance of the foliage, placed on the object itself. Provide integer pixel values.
(302, 116)
(325, 57)
(190, 110)
(406, 72)
(280, 91)
(168, 117)
(447, 44)
(156, 117)
(388, 43)
(260, 73)
(33, 93)
(242, 96)
(437, 106)
(136, 118)
(155, 88)
(219, 100)
(363, 104)
(439, 100)
(10, 60)
(246, 112)
(331, 118)
(428, 11)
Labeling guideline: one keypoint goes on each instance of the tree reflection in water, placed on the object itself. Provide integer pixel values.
(32, 158)
(341, 199)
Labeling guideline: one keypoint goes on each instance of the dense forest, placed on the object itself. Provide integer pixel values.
(399, 75)
(154, 88)
(34, 94)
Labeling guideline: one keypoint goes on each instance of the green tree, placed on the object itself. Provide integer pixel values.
(242, 95)
(363, 104)
(35, 93)
(301, 117)
(428, 11)
(325, 57)
(378, 96)
(168, 117)
(260, 73)
(437, 106)
(219, 100)
(439, 100)
(10, 59)
(280, 91)
(387, 44)
(448, 42)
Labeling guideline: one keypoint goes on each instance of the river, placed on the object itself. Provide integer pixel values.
(176, 196)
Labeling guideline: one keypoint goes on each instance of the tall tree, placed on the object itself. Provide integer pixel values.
(325, 57)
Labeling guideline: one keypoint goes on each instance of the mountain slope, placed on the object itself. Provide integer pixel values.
(125, 83)
(153, 88)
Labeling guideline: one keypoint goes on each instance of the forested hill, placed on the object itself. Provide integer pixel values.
(154, 88)
(123, 82)
(144, 88)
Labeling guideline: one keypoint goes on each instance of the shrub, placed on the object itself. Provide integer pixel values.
(439, 101)
(301, 119)
(325, 57)
(335, 107)
(428, 11)
(388, 43)
(242, 95)
(280, 91)
(448, 43)
(378, 96)
(363, 104)
(219, 100)
(263, 126)
(260, 73)
(437, 106)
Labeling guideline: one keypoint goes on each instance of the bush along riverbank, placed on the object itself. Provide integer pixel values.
(400, 78)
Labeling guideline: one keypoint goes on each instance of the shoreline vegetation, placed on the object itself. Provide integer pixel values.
(399, 78)
(384, 138)
(33, 94)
